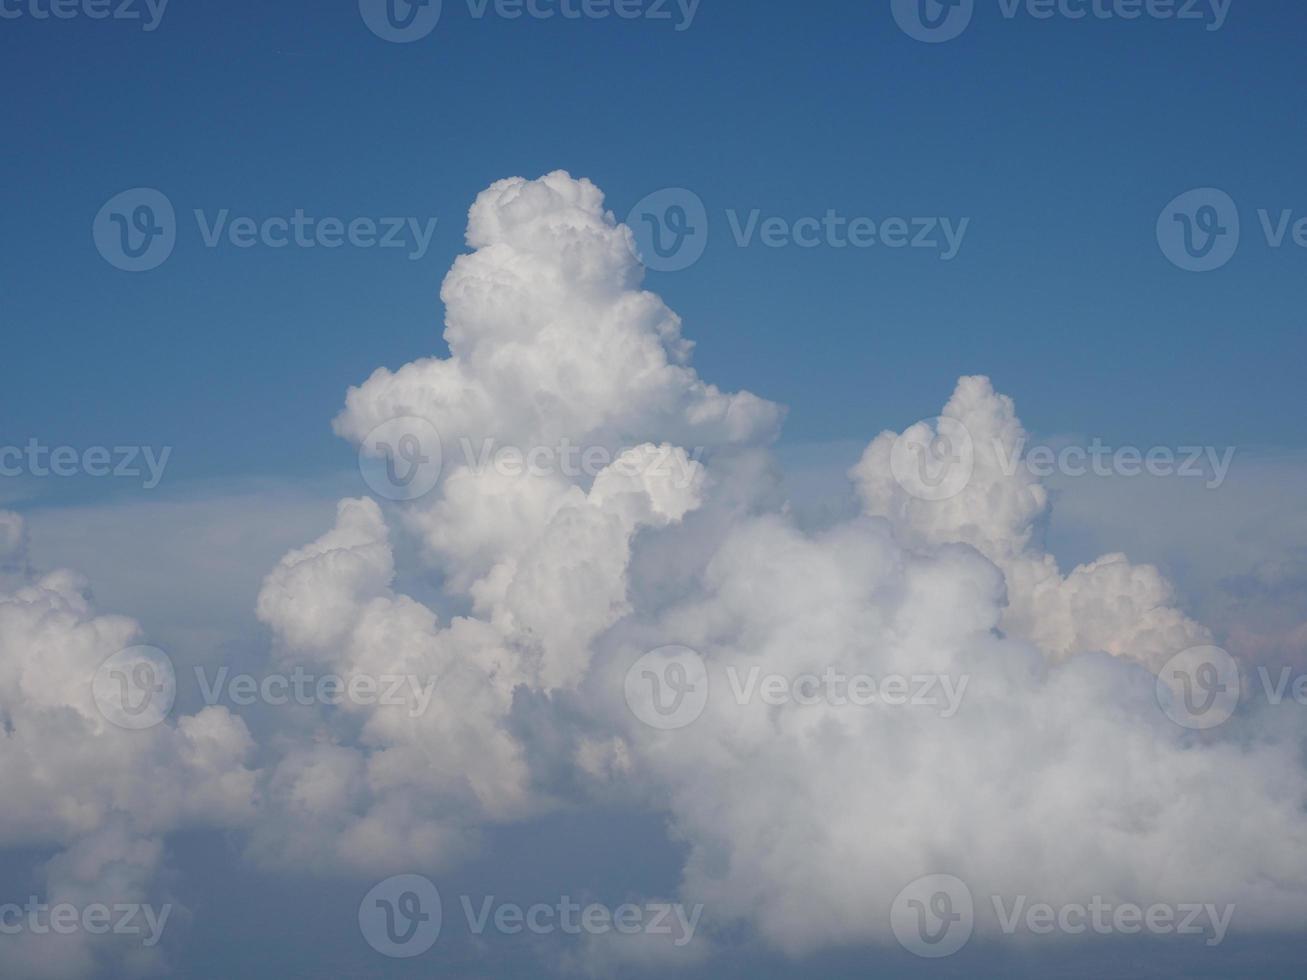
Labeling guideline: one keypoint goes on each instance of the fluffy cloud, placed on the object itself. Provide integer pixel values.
(1053, 775)
(1106, 605)
(1058, 777)
(102, 794)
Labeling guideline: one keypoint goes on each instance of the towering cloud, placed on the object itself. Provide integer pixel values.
(1056, 775)
(590, 501)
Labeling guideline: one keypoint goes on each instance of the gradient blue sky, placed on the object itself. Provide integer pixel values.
(1061, 141)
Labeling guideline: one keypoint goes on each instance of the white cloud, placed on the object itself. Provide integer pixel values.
(1058, 778)
(103, 794)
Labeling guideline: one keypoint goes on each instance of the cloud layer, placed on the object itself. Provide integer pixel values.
(1056, 777)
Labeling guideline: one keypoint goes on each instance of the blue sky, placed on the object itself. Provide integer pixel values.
(1058, 142)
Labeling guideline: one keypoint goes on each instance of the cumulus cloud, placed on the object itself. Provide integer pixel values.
(1057, 777)
(74, 780)
(1054, 774)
